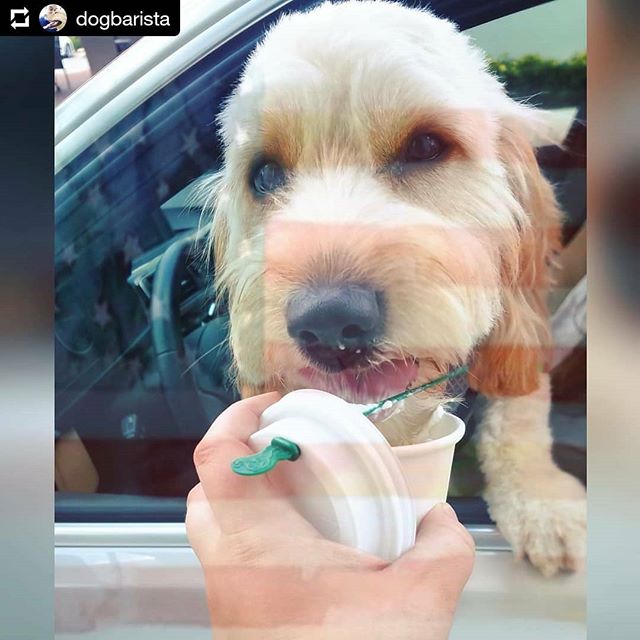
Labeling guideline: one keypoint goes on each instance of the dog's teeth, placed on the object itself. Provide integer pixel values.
(341, 347)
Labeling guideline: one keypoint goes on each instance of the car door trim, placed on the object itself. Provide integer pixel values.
(173, 534)
(146, 67)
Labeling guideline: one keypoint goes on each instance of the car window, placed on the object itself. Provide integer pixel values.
(540, 55)
(120, 204)
(132, 396)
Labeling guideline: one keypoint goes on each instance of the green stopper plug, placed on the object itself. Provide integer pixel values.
(265, 460)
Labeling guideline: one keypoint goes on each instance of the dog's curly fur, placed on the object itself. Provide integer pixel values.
(461, 246)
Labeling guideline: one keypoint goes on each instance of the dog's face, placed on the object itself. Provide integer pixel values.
(54, 12)
(366, 211)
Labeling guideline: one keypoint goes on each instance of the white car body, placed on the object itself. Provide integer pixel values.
(67, 50)
(142, 581)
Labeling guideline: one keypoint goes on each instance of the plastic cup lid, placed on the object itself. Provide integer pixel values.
(346, 481)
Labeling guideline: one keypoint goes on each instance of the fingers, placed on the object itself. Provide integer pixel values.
(202, 529)
(443, 554)
(238, 502)
(226, 440)
(442, 520)
(242, 418)
(442, 538)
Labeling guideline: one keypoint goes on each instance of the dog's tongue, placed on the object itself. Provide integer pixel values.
(369, 385)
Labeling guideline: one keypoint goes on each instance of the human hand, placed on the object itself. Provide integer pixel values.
(269, 574)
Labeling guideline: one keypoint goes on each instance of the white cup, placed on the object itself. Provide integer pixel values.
(348, 481)
(427, 466)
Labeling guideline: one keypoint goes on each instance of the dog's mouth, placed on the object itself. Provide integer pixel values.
(364, 384)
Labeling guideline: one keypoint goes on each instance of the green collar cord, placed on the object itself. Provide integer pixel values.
(282, 449)
(387, 402)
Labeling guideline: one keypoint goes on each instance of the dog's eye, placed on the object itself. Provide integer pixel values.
(267, 177)
(423, 147)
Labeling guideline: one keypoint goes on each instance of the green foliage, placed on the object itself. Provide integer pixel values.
(545, 82)
(76, 42)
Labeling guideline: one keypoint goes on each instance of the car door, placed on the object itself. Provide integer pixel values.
(130, 145)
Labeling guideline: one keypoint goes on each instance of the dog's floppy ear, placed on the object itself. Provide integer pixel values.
(509, 361)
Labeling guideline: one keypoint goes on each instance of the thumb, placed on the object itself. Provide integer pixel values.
(444, 551)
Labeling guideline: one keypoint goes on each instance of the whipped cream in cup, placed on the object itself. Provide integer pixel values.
(348, 481)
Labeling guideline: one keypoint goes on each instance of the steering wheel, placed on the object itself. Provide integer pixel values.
(191, 409)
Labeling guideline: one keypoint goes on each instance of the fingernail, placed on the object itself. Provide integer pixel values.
(449, 511)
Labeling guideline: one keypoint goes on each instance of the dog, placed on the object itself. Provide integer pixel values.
(379, 218)
(54, 13)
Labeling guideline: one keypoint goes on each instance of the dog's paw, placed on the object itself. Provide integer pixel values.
(549, 529)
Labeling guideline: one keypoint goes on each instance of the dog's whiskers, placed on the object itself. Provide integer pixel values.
(220, 345)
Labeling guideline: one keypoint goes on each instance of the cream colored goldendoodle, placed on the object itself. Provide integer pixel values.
(380, 218)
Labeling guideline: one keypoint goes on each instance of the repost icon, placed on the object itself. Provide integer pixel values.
(19, 17)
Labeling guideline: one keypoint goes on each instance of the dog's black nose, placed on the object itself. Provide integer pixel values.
(336, 325)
